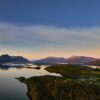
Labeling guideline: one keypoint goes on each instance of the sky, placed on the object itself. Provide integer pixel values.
(43, 28)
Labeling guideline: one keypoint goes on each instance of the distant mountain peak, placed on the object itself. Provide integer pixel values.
(16, 59)
(95, 62)
(80, 59)
(5, 55)
(51, 60)
(70, 60)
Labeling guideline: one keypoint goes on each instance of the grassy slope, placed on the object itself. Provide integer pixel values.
(67, 87)
(75, 71)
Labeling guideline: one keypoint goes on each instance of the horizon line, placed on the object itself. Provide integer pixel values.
(53, 56)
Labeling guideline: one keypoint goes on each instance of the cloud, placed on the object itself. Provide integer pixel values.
(44, 36)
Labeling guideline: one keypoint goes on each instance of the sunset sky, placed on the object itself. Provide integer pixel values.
(41, 28)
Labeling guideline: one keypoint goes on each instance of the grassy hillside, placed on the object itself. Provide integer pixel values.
(77, 83)
(75, 71)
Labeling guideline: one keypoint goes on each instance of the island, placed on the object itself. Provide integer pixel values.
(33, 68)
(77, 83)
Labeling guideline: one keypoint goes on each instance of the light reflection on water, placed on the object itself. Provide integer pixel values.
(95, 67)
(10, 88)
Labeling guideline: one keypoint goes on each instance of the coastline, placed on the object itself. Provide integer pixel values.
(76, 82)
(23, 80)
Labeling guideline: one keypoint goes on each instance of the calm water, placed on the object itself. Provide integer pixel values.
(12, 89)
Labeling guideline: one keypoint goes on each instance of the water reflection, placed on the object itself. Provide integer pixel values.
(4, 67)
(10, 88)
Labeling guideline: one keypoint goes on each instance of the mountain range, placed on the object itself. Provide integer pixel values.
(95, 62)
(15, 59)
(71, 60)
(80, 59)
(51, 60)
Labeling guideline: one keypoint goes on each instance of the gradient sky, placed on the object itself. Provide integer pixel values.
(41, 28)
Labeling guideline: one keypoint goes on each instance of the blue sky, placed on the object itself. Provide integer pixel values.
(40, 28)
(63, 13)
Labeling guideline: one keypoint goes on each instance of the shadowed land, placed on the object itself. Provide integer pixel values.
(77, 83)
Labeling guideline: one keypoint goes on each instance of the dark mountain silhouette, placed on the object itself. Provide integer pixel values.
(70, 60)
(80, 59)
(51, 60)
(20, 59)
(96, 62)
(15, 59)
(5, 58)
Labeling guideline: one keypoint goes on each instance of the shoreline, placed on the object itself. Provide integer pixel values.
(73, 82)
(27, 85)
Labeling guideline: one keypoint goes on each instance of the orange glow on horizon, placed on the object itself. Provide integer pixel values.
(38, 55)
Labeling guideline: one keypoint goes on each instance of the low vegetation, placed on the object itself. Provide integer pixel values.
(75, 71)
(77, 83)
